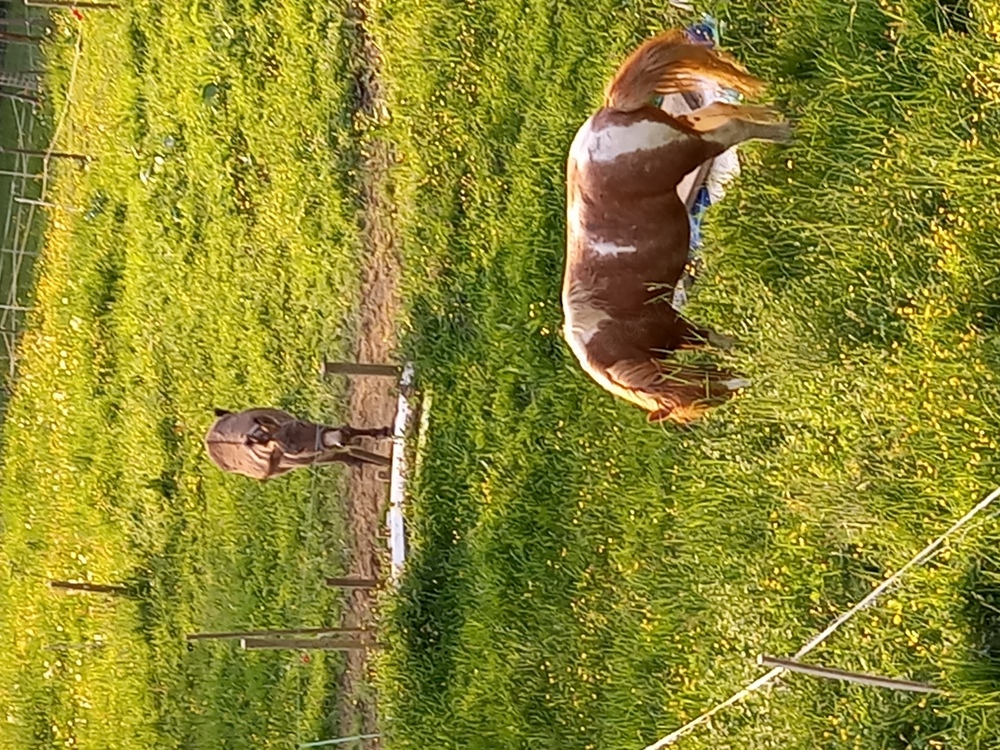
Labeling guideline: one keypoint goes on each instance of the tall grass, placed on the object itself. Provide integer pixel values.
(580, 579)
(213, 262)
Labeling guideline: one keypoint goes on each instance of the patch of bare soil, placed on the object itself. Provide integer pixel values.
(372, 400)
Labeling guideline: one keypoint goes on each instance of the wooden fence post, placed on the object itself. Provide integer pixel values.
(352, 583)
(45, 204)
(355, 368)
(22, 98)
(830, 673)
(6, 23)
(340, 741)
(82, 4)
(91, 588)
(22, 80)
(13, 36)
(82, 158)
(299, 644)
(232, 635)
(73, 646)
(23, 175)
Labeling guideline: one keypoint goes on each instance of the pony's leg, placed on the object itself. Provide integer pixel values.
(707, 337)
(716, 114)
(721, 341)
(738, 131)
(729, 124)
(695, 337)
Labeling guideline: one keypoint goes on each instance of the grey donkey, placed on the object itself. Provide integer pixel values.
(262, 443)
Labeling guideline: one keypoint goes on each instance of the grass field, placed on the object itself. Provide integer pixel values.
(214, 262)
(583, 580)
(579, 579)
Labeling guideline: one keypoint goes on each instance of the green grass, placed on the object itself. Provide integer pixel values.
(214, 263)
(582, 580)
(579, 579)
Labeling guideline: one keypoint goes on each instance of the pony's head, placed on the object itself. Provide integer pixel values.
(686, 392)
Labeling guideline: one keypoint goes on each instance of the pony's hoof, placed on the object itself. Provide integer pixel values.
(721, 341)
(737, 384)
(782, 132)
(660, 415)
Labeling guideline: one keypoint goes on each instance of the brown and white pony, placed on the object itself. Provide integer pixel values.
(265, 443)
(628, 233)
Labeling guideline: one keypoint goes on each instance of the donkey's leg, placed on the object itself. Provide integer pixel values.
(348, 434)
(258, 435)
(368, 457)
(335, 437)
(375, 432)
(340, 457)
(277, 464)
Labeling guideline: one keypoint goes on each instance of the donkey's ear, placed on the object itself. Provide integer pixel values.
(221, 412)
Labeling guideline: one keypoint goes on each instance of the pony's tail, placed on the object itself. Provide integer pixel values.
(670, 63)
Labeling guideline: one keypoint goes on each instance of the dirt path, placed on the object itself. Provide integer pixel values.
(372, 401)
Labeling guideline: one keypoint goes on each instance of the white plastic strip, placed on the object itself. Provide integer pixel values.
(397, 481)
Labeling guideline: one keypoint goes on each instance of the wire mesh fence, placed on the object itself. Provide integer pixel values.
(24, 160)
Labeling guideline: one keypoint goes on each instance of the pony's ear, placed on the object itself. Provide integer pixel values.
(221, 412)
